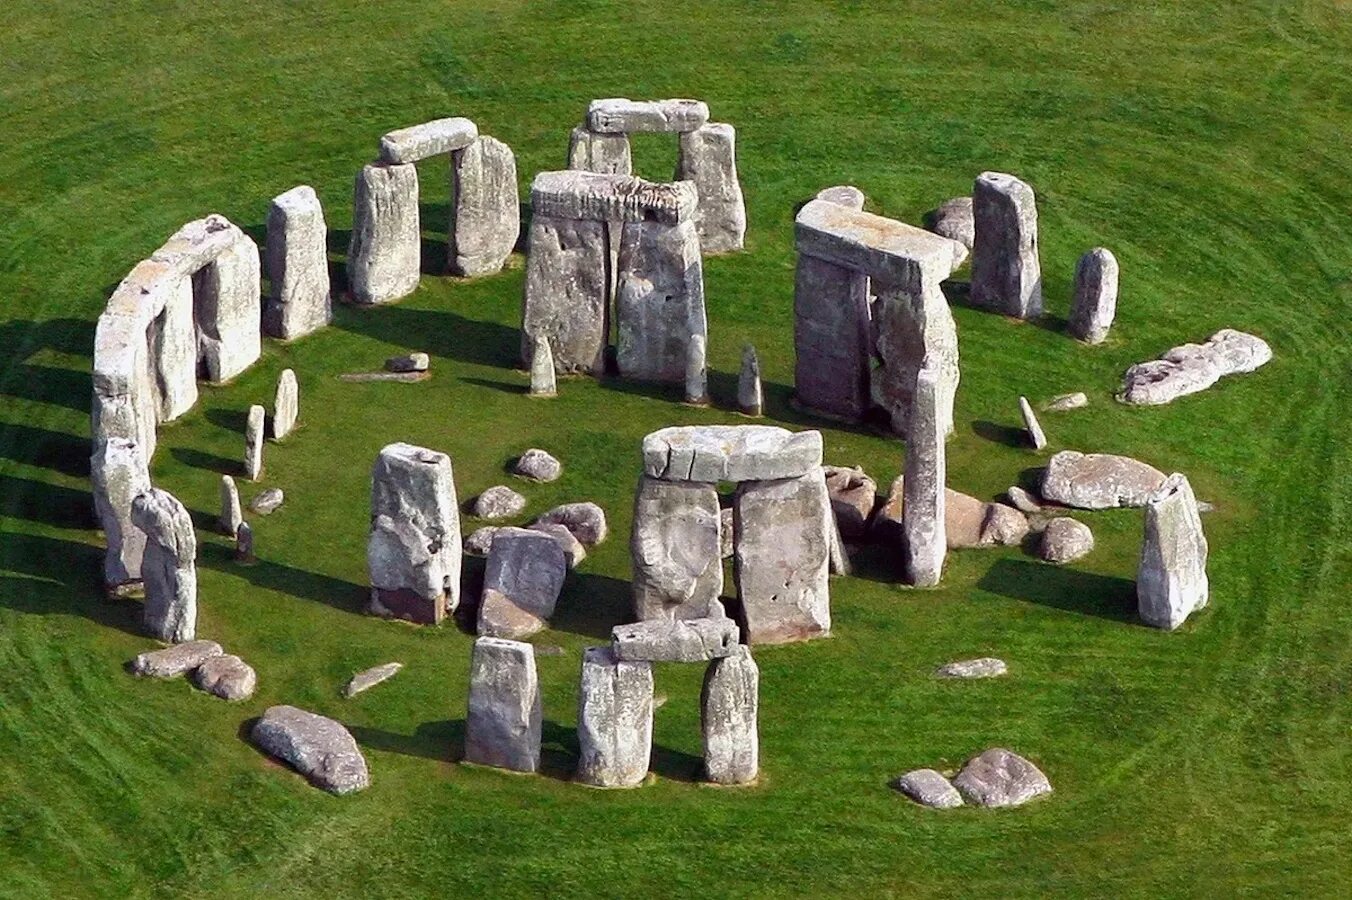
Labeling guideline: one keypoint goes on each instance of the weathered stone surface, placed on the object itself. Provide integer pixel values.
(1171, 582)
(227, 677)
(485, 207)
(481, 540)
(1022, 500)
(317, 747)
(1003, 526)
(659, 300)
(409, 362)
(297, 258)
(846, 195)
(197, 244)
(369, 678)
(232, 515)
(172, 341)
(620, 115)
(268, 501)
(572, 548)
(684, 640)
(954, 220)
(244, 544)
(968, 522)
(1065, 540)
(964, 520)
(923, 513)
(714, 453)
(729, 710)
(999, 777)
(1192, 367)
(499, 502)
(708, 157)
(384, 257)
(886, 250)
(228, 310)
(169, 567)
(1006, 272)
(589, 196)
(568, 272)
(174, 661)
(586, 521)
(254, 425)
(543, 381)
(675, 546)
(502, 728)
(982, 667)
(1099, 480)
(853, 496)
(401, 377)
(928, 788)
(607, 154)
(727, 538)
(123, 403)
(782, 558)
(522, 581)
(413, 552)
(750, 396)
(696, 371)
(1095, 302)
(614, 720)
(119, 474)
(285, 405)
(832, 338)
(915, 330)
(417, 142)
(839, 556)
(537, 465)
(1036, 436)
(1067, 402)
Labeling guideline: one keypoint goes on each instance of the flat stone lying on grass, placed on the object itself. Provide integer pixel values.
(853, 496)
(369, 678)
(572, 548)
(684, 640)
(981, 667)
(1193, 367)
(409, 362)
(537, 465)
(1099, 480)
(481, 540)
(1067, 402)
(503, 724)
(1065, 540)
(999, 777)
(499, 502)
(227, 677)
(359, 377)
(317, 747)
(522, 581)
(928, 788)
(268, 501)
(174, 661)
(586, 521)
(1036, 436)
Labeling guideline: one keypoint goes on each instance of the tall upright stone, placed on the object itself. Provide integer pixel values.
(285, 405)
(607, 154)
(1171, 582)
(384, 257)
(708, 157)
(832, 339)
(675, 544)
(543, 381)
(228, 308)
(297, 258)
(119, 473)
(729, 707)
(1095, 303)
(232, 514)
(485, 207)
(659, 299)
(923, 512)
(172, 340)
(696, 371)
(253, 442)
(502, 727)
(169, 568)
(750, 395)
(567, 295)
(614, 720)
(1006, 272)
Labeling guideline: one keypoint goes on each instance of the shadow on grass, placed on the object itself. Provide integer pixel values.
(50, 504)
(69, 388)
(79, 592)
(591, 605)
(199, 459)
(1086, 593)
(42, 448)
(229, 418)
(1008, 435)
(507, 387)
(440, 332)
(334, 592)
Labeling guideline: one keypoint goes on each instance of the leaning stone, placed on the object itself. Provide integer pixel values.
(1099, 480)
(232, 516)
(954, 220)
(568, 281)
(684, 640)
(750, 398)
(409, 362)
(522, 582)
(729, 709)
(1022, 500)
(369, 678)
(499, 502)
(1036, 436)
(418, 142)
(268, 501)
(674, 545)
(1065, 540)
(228, 308)
(1006, 273)
(1000, 778)
(384, 257)
(614, 720)
(286, 405)
(1171, 582)
(1095, 302)
(298, 266)
(923, 513)
(227, 677)
(119, 474)
(1067, 402)
(853, 496)
(1192, 368)
(586, 521)
(607, 154)
(537, 465)
(543, 382)
(928, 788)
(982, 667)
(253, 442)
(714, 453)
(620, 115)
(169, 568)
(696, 371)
(485, 207)
(481, 540)
(708, 157)
(572, 548)
(174, 661)
(503, 726)
(315, 746)
(845, 195)
(659, 299)
(244, 544)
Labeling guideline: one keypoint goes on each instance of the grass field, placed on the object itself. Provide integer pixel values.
(1207, 144)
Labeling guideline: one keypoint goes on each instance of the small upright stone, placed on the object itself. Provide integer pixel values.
(286, 405)
(232, 515)
(297, 259)
(253, 442)
(1006, 273)
(485, 207)
(244, 544)
(1171, 582)
(696, 371)
(1095, 302)
(537, 465)
(729, 708)
(502, 728)
(750, 397)
(542, 379)
(1036, 436)
(614, 720)
(923, 507)
(169, 568)
(384, 258)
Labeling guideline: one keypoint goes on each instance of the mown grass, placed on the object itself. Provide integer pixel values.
(1205, 143)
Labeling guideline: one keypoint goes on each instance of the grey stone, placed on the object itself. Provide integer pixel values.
(403, 377)
(1006, 272)
(614, 720)
(409, 362)
(568, 274)
(998, 778)
(522, 582)
(708, 157)
(696, 371)
(929, 788)
(1003, 526)
(620, 115)
(923, 514)
(169, 567)
(840, 558)
(268, 501)
(832, 339)
(1099, 480)
(228, 309)
(729, 710)
(119, 474)
(503, 726)
(1065, 540)
(174, 661)
(683, 640)
(499, 502)
(954, 220)
(537, 465)
(846, 195)
(172, 342)
(481, 540)
(1191, 368)
(418, 142)
(227, 677)
(369, 678)
(1171, 581)
(485, 207)
(297, 265)
(1067, 402)
(714, 453)
(543, 381)
(285, 405)
(317, 747)
(659, 300)
(1095, 302)
(586, 521)
(750, 397)
(572, 548)
(590, 196)
(888, 251)
(675, 546)
(982, 667)
(244, 544)
(1036, 436)
(384, 257)
(968, 522)
(607, 154)
(1022, 500)
(197, 244)
(254, 425)
(853, 496)
(727, 539)
(232, 515)
(124, 403)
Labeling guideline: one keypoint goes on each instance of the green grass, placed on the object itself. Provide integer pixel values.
(1205, 143)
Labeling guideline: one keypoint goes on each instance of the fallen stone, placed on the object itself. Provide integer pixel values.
(750, 398)
(174, 661)
(607, 154)
(614, 720)
(297, 258)
(1022, 500)
(923, 516)
(1099, 480)
(619, 115)
(485, 207)
(409, 362)
(1036, 436)
(1006, 272)
(499, 502)
(928, 788)
(998, 778)
(1171, 582)
(586, 521)
(569, 268)
(708, 158)
(543, 380)
(232, 515)
(503, 725)
(418, 142)
(244, 544)
(317, 747)
(729, 709)
(268, 501)
(227, 677)
(253, 442)
(384, 257)
(684, 640)
(968, 522)
(982, 667)
(1192, 368)
(537, 465)
(169, 567)
(572, 548)
(714, 453)
(1004, 526)
(954, 220)
(674, 547)
(1067, 402)
(358, 377)
(481, 541)
(522, 582)
(285, 405)
(369, 678)
(1065, 540)
(845, 195)
(853, 496)
(1095, 302)
(659, 299)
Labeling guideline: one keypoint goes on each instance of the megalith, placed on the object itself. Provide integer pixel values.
(423, 141)
(172, 339)
(678, 573)
(286, 405)
(228, 308)
(696, 371)
(169, 567)
(254, 425)
(384, 257)
(620, 115)
(119, 473)
(543, 378)
(614, 720)
(708, 157)
(297, 259)
(232, 515)
(1171, 582)
(485, 210)
(750, 394)
(729, 706)
(503, 725)
(1006, 272)
(522, 581)
(923, 515)
(1095, 302)
(606, 154)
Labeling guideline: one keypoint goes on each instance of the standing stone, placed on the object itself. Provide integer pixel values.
(414, 552)
(123, 403)
(1095, 303)
(1171, 582)
(485, 208)
(228, 309)
(675, 546)
(297, 265)
(853, 496)
(232, 515)
(923, 513)
(1006, 273)
(608, 154)
(384, 257)
(750, 397)
(522, 581)
(729, 705)
(543, 382)
(502, 728)
(696, 371)
(568, 272)
(782, 558)
(659, 299)
(614, 720)
(1036, 436)
(119, 474)
(253, 442)
(831, 338)
(286, 405)
(169, 568)
(172, 342)
(708, 157)
(244, 544)
(916, 330)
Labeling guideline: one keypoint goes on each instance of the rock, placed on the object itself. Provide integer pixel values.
(244, 544)
(123, 405)
(481, 541)
(586, 521)
(593, 197)
(968, 522)
(923, 513)
(1036, 436)
(502, 728)
(844, 195)
(369, 678)
(714, 453)
(169, 567)
(172, 343)
(614, 720)
(227, 677)
(853, 496)
(409, 362)
(832, 339)
(543, 382)
(885, 250)
(726, 539)
(418, 142)
(1171, 582)
(1095, 302)
(729, 708)
(119, 474)
(1099, 480)
(572, 549)
(982, 667)
(659, 299)
(840, 559)
(522, 582)
(1023, 501)
(568, 275)
(684, 640)
(675, 546)
(696, 371)
(928, 788)
(317, 747)
(1003, 526)
(402, 377)
(268, 501)
(174, 661)
(1066, 402)
(232, 516)
(384, 258)
(1000, 778)
(537, 465)
(1065, 540)
(708, 157)
(286, 405)
(499, 502)
(1006, 273)
(298, 266)
(954, 220)
(964, 519)
(1192, 368)
(607, 154)
(619, 115)
(485, 207)
(228, 309)
(253, 442)
(750, 398)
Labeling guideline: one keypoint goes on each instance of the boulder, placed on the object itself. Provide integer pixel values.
(485, 207)
(543, 378)
(620, 115)
(503, 725)
(317, 747)
(708, 157)
(607, 154)
(174, 661)
(923, 514)
(954, 220)
(586, 521)
(1066, 402)
(1171, 582)
(369, 678)
(729, 709)
(481, 541)
(1006, 272)
(1095, 302)
(684, 640)
(232, 515)
(1065, 540)
(384, 257)
(714, 453)
(1036, 436)
(572, 549)
(1099, 480)
(982, 667)
(929, 788)
(409, 362)
(254, 425)
(537, 465)
(169, 567)
(614, 720)
(999, 777)
(227, 677)
(853, 496)
(499, 502)
(419, 142)
(1022, 500)
(750, 397)
(1193, 367)
(297, 257)
(674, 546)
(286, 405)
(268, 501)
(968, 522)
(522, 582)
(659, 299)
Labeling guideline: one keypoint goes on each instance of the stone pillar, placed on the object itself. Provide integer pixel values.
(1006, 273)
(232, 515)
(1095, 303)
(1036, 436)
(485, 207)
(172, 339)
(729, 705)
(696, 371)
(607, 154)
(708, 157)
(384, 258)
(244, 544)
(169, 568)
(253, 442)
(831, 339)
(678, 572)
(923, 512)
(123, 404)
(659, 299)
(567, 294)
(119, 474)
(543, 379)
(916, 330)
(502, 728)
(750, 395)
(1171, 582)
(285, 405)
(298, 266)
(414, 550)
(522, 581)
(614, 720)
(228, 307)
